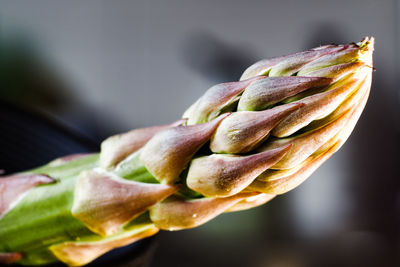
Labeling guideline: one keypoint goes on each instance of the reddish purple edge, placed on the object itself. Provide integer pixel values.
(73, 157)
(13, 186)
(10, 257)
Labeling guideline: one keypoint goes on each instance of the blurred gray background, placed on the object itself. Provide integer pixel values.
(103, 67)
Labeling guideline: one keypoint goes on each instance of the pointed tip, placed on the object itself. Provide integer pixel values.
(251, 202)
(292, 180)
(223, 116)
(367, 48)
(287, 147)
(166, 155)
(265, 93)
(219, 98)
(105, 202)
(225, 175)
(261, 67)
(176, 213)
(316, 107)
(244, 130)
(368, 42)
(306, 144)
(182, 121)
(13, 186)
(79, 253)
(116, 148)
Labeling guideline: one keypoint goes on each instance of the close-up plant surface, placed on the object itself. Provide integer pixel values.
(154, 133)
(238, 146)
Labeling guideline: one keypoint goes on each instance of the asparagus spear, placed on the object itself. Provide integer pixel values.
(236, 147)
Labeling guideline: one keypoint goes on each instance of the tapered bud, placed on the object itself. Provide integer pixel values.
(336, 65)
(104, 202)
(293, 63)
(356, 114)
(287, 183)
(10, 257)
(168, 152)
(80, 253)
(225, 175)
(357, 110)
(337, 72)
(261, 67)
(251, 202)
(118, 147)
(338, 79)
(13, 187)
(349, 54)
(361, 97)
(305, 144)
(271, 175)
(264, 93)
(243, 130)
(354, 100)
(176, 213)
(215, 100)
(314, 107)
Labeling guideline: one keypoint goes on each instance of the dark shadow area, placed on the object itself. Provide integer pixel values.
(26, 80)
(28, 140)
(29, 80)
(216, 60)
(30, 89)
(326, 33)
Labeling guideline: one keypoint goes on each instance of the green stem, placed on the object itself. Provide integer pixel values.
(47, 210)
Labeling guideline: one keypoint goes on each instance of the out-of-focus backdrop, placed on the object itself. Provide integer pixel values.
(96, 68)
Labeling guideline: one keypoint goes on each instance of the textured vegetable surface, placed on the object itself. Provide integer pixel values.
(236, 147)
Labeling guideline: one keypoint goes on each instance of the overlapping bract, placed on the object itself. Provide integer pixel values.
(237, 147)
